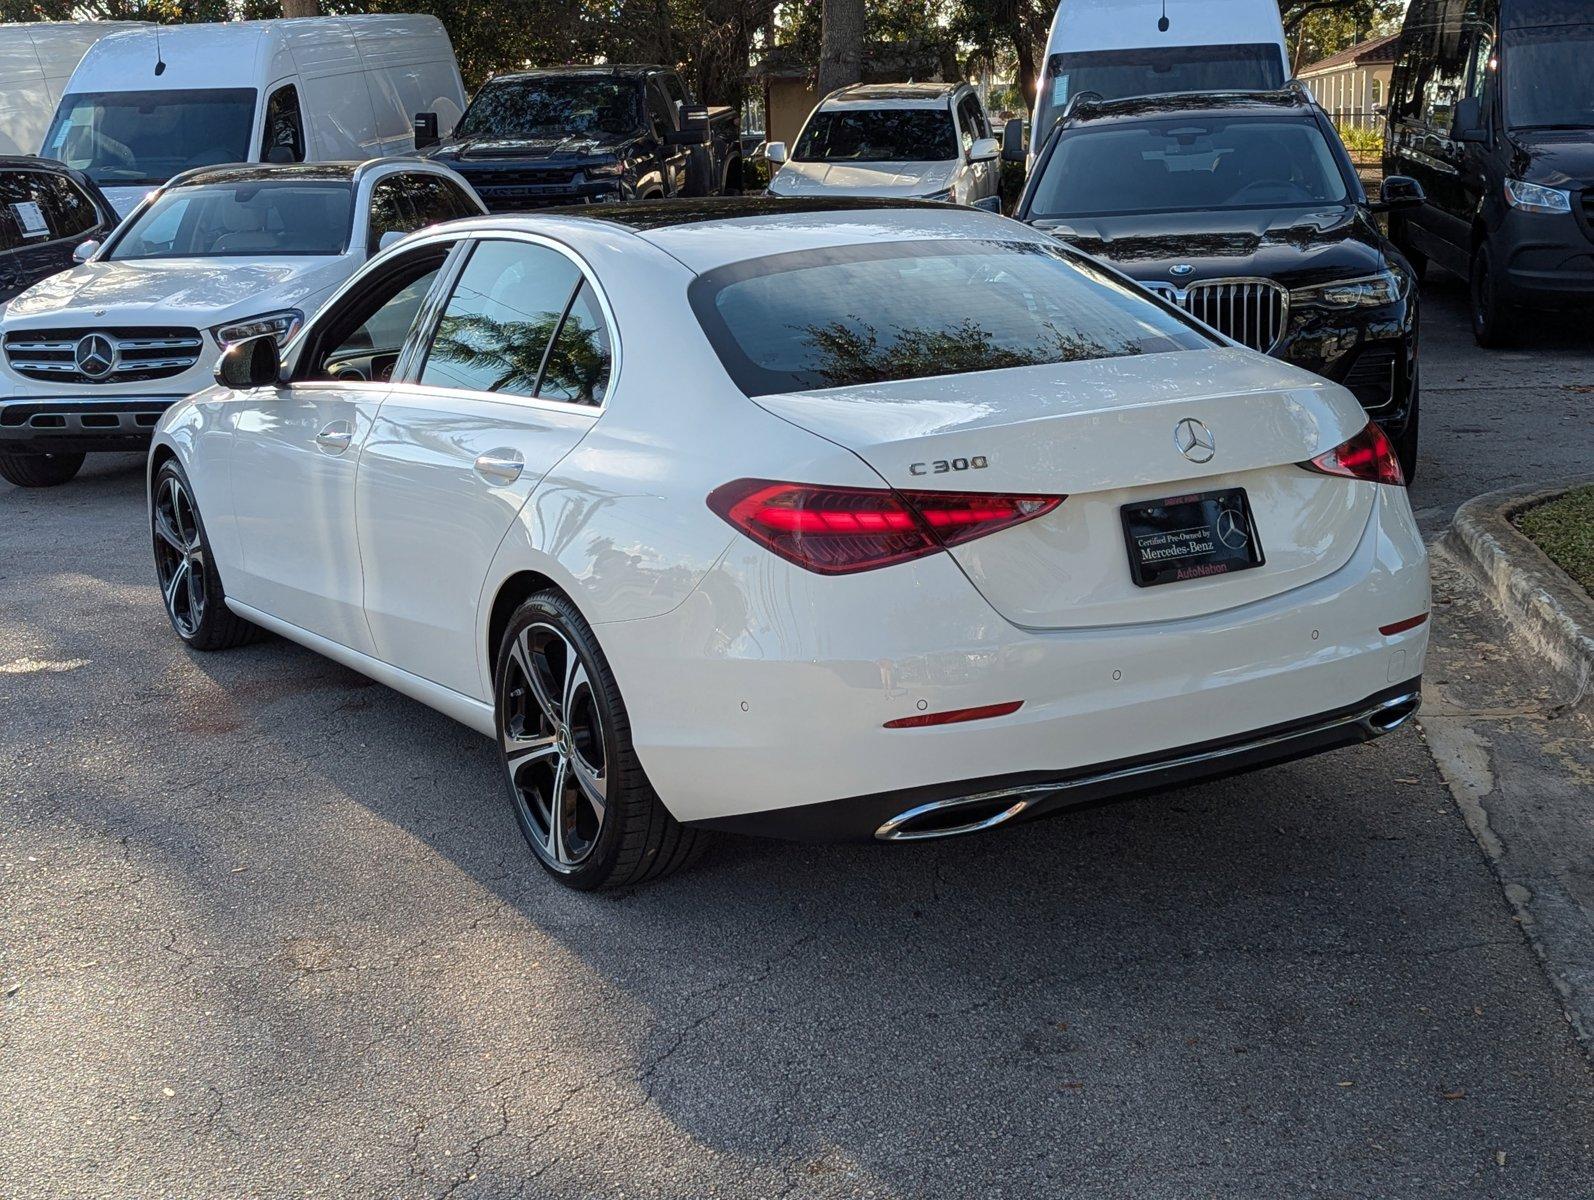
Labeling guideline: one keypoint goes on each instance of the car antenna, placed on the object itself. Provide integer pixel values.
(160, 63)
(1162, 21)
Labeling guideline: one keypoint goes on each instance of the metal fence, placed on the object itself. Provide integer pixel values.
(1356, 118)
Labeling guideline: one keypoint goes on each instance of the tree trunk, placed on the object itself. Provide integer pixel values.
(301, 8)
(1024, 53)
(840, 45)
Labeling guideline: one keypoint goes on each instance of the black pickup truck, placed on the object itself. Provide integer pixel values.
(587, 135)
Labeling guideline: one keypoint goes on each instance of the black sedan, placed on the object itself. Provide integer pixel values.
(1244, 210)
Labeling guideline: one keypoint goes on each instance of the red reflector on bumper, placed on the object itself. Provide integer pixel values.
(956, 715)
(1402, 626)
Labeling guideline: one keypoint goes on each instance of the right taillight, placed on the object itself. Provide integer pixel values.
(840, 530)
(1370, 455)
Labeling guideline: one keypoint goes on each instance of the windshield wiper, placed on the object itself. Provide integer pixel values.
(1583, 125)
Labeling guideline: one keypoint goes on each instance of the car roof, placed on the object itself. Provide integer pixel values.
(709, 233)
(32, 162)
(891, 95)
(1289, 102)
(613, 71)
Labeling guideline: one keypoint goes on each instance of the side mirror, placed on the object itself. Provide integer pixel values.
(1467, 122)
(388, 238)
(254, 363)
(1399, 193)
(1013, 141)
(426, 130)
(280, 154)
(86, 250)
(775, 152)
(984, 149)
(694, 130)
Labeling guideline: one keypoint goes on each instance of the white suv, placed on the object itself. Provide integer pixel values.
(927, 141)
(94, 355)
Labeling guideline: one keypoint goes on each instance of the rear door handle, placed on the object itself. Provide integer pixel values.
(501, 467)
(335, 438)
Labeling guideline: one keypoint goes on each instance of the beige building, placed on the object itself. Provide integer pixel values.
(788, 84)
(1354, 83)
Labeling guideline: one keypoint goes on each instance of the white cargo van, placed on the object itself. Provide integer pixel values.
(147, 105)
(1122, 48)
(36, 60)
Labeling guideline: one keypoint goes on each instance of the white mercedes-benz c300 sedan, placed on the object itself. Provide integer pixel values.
(824, 519)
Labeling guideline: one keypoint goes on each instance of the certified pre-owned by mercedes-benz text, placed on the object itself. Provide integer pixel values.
(857, 519)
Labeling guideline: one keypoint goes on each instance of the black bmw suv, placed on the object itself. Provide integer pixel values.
(1244, 210)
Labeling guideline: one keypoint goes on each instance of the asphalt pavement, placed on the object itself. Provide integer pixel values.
(268, 929)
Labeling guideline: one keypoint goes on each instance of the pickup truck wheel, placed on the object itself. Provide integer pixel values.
(39, 470)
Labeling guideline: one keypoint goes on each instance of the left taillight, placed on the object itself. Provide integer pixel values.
(1370, 456)
(840, 530)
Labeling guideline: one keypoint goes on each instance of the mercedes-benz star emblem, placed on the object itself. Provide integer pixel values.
(1180, 269)
(95, 355)
(1229, 531)
(1194, 440)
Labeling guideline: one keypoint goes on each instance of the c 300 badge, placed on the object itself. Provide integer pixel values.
(942, 466)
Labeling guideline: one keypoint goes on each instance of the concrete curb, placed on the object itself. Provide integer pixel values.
(1543, 605)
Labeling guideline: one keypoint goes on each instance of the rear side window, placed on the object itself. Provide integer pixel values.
(495, 331)
(41, 206)
(913, 310)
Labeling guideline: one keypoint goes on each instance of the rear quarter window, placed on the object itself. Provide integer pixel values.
(917, 310)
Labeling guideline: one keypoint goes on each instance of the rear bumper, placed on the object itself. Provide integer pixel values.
(770, 688)
(80, 424)
(972, 806)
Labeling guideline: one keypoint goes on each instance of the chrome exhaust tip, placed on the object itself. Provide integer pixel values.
(1391, 714)
(948, 818)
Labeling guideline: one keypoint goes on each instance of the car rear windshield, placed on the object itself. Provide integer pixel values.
(1188, 164)
(879, 135)
(242, 219)
(552, 108)
(913, 310)
(1156, 71)
(132, 138)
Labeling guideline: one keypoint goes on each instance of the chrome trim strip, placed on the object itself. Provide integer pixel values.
(1383, 717)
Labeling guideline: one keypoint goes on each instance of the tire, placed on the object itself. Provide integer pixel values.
(1494, 322)
(612, 830)
(39, 470)
(1406, 441)
(733, 178)
(185, 571)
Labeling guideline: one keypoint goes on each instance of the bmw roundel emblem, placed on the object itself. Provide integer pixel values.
(1180, 269)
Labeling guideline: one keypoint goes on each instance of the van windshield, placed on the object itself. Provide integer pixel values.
(552, 108)
(301, 217)
(1188, 164)
(1549, 78)
(141, 138)
(1117, 74)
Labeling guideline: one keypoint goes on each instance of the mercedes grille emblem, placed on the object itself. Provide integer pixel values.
(95, 356)
(1180, 269)
(1229, 531)
(1194, 440)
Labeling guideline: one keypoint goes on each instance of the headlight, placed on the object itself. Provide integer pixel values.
(281, 325)
(1365, 292)
(608, 170)
(1531, 197)
(943, 194)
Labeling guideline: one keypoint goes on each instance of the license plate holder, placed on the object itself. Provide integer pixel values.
(1194, 536)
